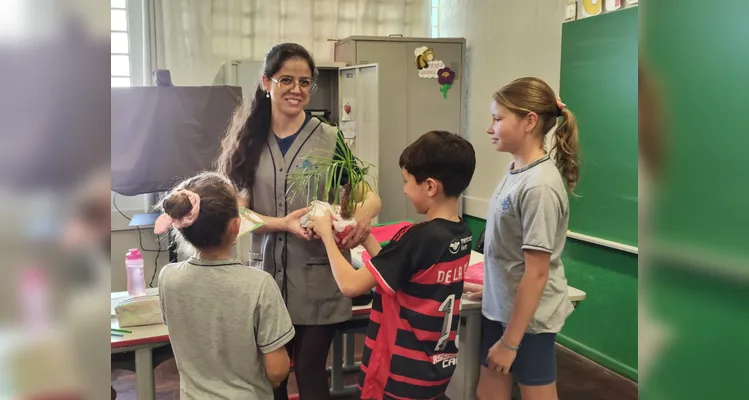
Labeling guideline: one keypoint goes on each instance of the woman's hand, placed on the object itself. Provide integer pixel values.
(360, 232)
(291, 224)
(322, 225)
(500, 358)
(311, 232)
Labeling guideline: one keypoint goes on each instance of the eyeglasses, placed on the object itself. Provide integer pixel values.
(288, 83)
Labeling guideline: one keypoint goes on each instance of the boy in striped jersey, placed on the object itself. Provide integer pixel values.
(411, 345)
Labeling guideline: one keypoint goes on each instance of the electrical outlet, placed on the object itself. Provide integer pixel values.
(613, 5)
(570, 13)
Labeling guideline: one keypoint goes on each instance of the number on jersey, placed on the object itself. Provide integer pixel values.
(446, 307)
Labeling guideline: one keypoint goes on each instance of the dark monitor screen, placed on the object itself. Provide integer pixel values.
(161, 135)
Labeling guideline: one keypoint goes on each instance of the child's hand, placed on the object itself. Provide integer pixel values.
(323, 225)
(472, 291)
(500, 358)
(474, 296)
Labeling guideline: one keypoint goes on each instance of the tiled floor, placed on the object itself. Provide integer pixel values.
(579, 379)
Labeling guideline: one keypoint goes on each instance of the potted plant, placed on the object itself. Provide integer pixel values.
(327, 171)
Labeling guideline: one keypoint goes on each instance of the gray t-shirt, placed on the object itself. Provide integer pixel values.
(222, 317)
(529, 210)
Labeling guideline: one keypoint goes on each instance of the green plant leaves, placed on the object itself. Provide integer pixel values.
(327, 169)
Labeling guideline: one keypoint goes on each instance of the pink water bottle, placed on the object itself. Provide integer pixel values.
(34, 298)
(136, 283)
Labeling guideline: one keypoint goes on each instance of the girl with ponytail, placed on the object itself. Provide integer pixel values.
(525, 299)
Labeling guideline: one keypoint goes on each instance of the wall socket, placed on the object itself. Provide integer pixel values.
(570, 13)
(612, 5)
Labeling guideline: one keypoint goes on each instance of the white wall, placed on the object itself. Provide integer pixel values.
(506, 39)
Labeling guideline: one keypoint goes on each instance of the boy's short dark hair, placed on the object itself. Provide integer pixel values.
(442, 156)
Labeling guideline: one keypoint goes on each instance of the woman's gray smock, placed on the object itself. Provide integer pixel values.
(300, 268)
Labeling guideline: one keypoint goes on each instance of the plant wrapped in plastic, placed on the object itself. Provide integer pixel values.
(322, 181)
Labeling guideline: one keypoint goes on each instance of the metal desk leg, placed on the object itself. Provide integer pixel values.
(471, 362)
(337, 367)
(350, 364)
(146, 388)
(349, 350)
(336, 373)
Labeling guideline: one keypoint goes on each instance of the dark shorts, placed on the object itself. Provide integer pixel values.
(536, 361)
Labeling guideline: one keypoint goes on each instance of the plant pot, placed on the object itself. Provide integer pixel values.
(341, 227)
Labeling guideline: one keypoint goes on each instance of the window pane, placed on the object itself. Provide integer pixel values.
(123, 3)
(120, 65)
(434, 17)
(435, 32)
(435, 3)
(119, 42)
(119, 20)
(120, 82)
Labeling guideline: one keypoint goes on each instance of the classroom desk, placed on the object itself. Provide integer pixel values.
(144, 339)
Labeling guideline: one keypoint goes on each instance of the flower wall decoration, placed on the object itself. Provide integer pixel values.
(445, 77)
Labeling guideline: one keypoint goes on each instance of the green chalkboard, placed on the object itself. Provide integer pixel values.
(599, 85)
(700, 75)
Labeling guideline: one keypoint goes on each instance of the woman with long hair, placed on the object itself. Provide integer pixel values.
(266, 142)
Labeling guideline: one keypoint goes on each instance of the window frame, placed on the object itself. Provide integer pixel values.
(434, 18)
(134, 19)
(113, 54)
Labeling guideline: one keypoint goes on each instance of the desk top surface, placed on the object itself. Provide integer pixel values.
(576, 295)
(153, 334)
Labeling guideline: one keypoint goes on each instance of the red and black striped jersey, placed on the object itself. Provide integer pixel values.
(410, 349)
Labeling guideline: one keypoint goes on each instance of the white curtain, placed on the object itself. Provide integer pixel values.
(194, 38)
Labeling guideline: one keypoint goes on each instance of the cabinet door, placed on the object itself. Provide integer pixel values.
(390, 58)
(359, 116)
(428, 108)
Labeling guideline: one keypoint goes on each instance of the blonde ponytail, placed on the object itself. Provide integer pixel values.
(566, 147)
(525, 95)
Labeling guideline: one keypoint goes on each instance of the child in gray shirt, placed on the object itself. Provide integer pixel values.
(228, 324)
(525, 301)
